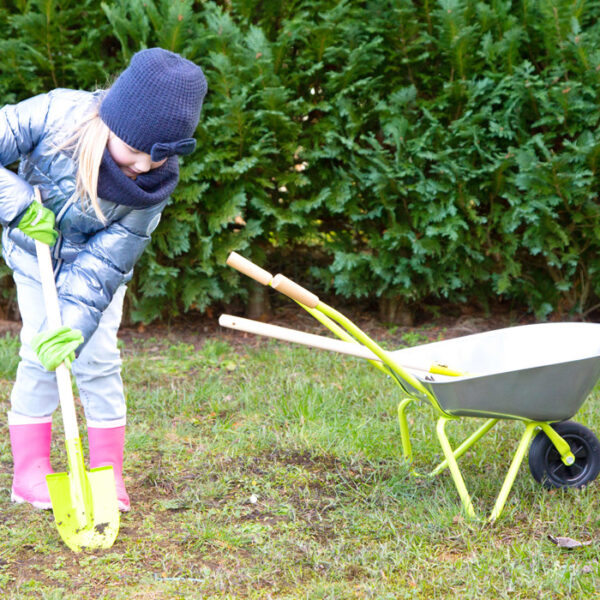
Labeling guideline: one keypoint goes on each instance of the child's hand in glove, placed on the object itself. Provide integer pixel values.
(57, 346)
(38, 222)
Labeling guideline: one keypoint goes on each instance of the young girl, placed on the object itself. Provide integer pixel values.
(105, 163)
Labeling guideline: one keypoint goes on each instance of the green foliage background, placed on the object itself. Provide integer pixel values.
(410, 153)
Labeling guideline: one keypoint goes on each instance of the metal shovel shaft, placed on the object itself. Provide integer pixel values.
(78, 483)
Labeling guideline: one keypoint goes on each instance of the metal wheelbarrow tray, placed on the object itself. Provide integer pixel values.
(540, 372)
(537, 374)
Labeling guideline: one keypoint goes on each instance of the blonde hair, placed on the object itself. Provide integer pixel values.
(88, 143)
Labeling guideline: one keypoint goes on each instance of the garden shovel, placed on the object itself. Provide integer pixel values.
(84, 503)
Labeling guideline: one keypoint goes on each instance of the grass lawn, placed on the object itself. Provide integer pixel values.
(275, 472)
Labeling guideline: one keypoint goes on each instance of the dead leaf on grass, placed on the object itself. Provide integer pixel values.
(567, 542)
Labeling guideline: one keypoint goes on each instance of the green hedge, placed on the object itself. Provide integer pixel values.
(410, 153)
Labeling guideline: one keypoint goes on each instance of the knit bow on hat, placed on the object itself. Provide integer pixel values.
(161, 150)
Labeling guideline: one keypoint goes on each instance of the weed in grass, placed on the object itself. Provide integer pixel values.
(414, 338)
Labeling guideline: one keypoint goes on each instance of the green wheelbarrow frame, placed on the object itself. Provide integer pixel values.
(401, 377)
(411, 386)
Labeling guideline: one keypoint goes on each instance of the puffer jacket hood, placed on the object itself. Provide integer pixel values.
(92, 259)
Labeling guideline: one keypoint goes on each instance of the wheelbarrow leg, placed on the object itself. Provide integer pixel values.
(453, 466)
(513, 470)
(466, 444)
(404, 435)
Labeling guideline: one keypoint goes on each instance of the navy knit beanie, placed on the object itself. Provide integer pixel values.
(154, 105)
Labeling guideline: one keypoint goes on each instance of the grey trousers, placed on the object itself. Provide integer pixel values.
(97, 370)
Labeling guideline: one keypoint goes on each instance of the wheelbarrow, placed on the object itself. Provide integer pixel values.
(537, 374)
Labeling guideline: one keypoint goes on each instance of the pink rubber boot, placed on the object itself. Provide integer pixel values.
(106, 448)
(30, 439)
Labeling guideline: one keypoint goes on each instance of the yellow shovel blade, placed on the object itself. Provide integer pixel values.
(94, 525)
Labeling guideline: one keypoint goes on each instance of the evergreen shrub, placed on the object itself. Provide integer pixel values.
(411, 154)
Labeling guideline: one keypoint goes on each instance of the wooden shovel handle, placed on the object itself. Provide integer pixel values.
(63, 376)
(247, 267)
(47, 278)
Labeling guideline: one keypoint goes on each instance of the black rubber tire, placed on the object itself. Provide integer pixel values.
(547, 467)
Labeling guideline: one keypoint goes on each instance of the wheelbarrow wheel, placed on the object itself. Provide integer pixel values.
(547, 467)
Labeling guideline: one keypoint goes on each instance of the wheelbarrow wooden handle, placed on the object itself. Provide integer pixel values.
(294, 291)
(247, 267)
(298, 337)
(306, 339)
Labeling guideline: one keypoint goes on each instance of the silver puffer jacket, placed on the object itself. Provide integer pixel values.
(91, 259)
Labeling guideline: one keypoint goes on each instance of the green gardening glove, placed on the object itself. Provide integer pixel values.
(57, 346)
(38, 223)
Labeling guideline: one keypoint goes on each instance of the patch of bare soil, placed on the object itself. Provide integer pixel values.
(157, 543)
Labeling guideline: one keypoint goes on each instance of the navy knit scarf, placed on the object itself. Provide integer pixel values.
(144, 191)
